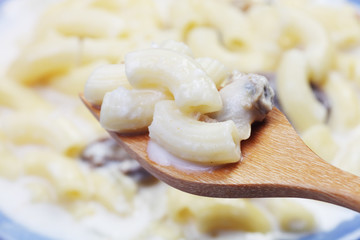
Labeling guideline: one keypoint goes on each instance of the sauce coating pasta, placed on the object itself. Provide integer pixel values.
(176, 124)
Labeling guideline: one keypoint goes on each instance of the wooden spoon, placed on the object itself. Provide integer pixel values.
(276, 163)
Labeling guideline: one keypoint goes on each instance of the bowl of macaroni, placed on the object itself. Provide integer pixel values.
(61, 176)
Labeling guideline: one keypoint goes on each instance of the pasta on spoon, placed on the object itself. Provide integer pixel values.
(195, 109)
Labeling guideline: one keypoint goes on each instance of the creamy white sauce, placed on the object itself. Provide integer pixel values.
(17, 205)
(53, 221)
(162, 157)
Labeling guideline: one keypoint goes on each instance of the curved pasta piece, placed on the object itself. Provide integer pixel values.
(213, 215)
(72, 183)
(189, 139)
(320, 140)
(345, 107)
(110, 49)
(108, 5)
(334, 18)
(348, 156)
(291, 216)
(42, 59)
(113, 190)
(13, 95)
(245, 61)
(185, 16)
(230, 214)
(314, 38)
(295, 94)
(69, 186)
(231, 22)
(90, 22)
(348, 64)
(44, 128)
(265, 22)
(76, 78)
(105, 79)
(125, 110)
(215, 69)
(192, 88)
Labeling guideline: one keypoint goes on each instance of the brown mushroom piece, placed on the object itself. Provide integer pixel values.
(106, 151)
(246, 98)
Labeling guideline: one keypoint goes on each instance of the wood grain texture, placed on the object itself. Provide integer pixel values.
(276, 163)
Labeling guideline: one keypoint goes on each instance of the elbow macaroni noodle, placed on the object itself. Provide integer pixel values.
(194, 140)
(309, 110)
(78, 42)
(214, 69)
(104, 79)
(192, 84)
(126, 110)
(192, 88)
(304, 30)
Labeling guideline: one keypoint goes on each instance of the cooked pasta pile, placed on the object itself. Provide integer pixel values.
(177, 99)
(308, 47)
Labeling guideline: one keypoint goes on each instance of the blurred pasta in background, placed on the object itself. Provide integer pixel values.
(310, 50)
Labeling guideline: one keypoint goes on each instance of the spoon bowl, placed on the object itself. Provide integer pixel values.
(275, 163)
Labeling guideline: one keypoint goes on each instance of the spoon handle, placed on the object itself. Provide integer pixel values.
(334, 186)
(296, 170)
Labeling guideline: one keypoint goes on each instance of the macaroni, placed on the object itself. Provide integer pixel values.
(348, 156)
(192, 88)
(105, 79)
(45, 128)
(292, 216)
(221, 17)
(185, 16)
(41, 60)
(92, 22)
(297, 92)
(246, 98)
(215, 215)
(43, 132)
(302, 29)
(109, 49)
(214, 69)
(321, 141)
(247, 61)
(126, 110)
(334, 19)
(9, 97)
(75, 184)
(76, 78)
(348, 64)
(345, 113)
(193, 140)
